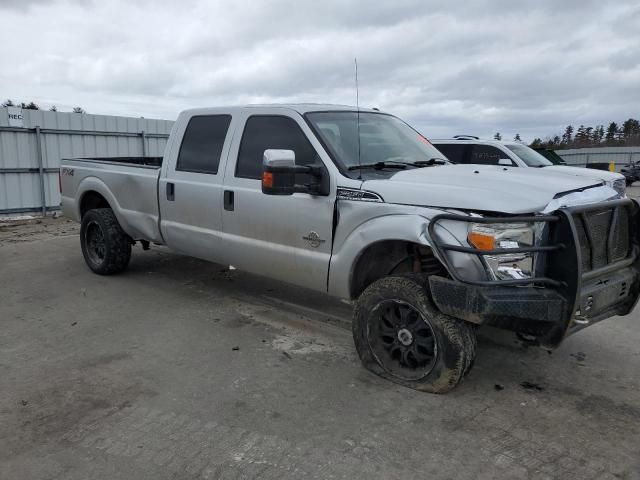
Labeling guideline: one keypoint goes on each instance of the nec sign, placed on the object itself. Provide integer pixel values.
(15, 117)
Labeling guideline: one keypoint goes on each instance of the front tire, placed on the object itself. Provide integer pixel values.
(105, 246)
(401, 336)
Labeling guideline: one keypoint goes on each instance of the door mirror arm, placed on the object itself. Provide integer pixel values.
(319, 187)
(279, 173)
(315, 170)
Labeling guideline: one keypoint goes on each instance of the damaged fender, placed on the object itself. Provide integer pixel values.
(373, 223)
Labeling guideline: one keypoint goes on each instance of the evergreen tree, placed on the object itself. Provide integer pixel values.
(497, 136)
(29, 106)
(7, 103)
(610, 136)
(598, 134)
(517, 138)
(581, 137)
(628, 134)
(53, 108)
(631, 131)
(627, 128)
(567, 136)
(537, 143)
(78, 110)
(588, 135)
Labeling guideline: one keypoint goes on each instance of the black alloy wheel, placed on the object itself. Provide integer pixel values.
(402, 340)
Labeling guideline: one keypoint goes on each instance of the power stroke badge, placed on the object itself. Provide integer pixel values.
(314, 239)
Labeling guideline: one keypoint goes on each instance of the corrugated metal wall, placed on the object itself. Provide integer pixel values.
(64, 135)
(580, 157)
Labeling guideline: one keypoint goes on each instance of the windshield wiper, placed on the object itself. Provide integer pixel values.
(380, 165)
(401, 165)
(431, 161)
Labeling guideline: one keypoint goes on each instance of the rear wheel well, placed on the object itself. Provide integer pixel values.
(389, 257)
(91, 200)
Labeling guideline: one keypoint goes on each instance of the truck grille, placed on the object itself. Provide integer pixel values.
(603, 236)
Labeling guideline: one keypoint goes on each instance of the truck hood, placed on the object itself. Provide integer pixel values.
(591, 173)
(478, 187)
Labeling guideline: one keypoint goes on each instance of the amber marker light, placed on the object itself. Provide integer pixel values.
(267, 179)
(482, 241)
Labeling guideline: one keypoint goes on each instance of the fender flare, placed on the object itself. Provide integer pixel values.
(411, 227)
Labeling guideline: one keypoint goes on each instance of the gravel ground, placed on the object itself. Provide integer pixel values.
(183, 369)
(28, 230)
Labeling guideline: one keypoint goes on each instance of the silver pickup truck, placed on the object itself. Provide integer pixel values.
(357, 204)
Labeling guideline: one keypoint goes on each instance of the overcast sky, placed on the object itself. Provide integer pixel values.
(473, 67)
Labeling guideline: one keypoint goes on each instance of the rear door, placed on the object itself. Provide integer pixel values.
(283, 237)
(190, 191)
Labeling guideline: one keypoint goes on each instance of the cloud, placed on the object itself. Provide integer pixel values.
(21, 4)
(471, 67)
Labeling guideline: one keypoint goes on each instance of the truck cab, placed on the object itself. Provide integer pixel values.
(212, 202)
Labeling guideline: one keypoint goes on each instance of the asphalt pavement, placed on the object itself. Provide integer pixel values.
(183, 369)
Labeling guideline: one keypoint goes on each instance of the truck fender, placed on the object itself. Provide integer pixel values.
(347, 251)
(94, 184)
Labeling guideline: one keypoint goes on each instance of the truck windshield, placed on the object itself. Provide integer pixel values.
(384, 139)
(529, 155)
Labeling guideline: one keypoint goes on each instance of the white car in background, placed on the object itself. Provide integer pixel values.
(467, 149)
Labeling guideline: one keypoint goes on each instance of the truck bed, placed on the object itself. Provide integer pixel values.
(129, 184)
(137, 161)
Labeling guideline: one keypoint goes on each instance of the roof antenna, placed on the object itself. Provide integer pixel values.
(355, 61)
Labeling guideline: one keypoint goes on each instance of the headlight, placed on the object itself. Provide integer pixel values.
(504, 235)
(618, 185)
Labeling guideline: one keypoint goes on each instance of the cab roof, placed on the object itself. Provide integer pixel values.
(468, 139)
(300, 108)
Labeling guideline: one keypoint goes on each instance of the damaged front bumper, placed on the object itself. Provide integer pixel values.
(590, 272)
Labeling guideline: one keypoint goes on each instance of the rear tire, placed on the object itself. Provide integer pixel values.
(400, 335)
(105, 246)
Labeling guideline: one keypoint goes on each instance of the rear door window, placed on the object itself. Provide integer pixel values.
(486, 155)
(264, 132)
(453, 152)
(202, 144)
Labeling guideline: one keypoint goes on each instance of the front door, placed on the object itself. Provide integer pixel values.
(283, 237)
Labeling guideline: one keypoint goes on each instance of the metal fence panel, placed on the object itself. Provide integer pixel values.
(581, 157)
(64, 135)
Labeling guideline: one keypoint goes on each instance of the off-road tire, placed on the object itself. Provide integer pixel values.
(455, 339)
(114, 249)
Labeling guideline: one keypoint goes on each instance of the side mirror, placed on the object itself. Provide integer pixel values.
(505, 162)
(278, 172)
